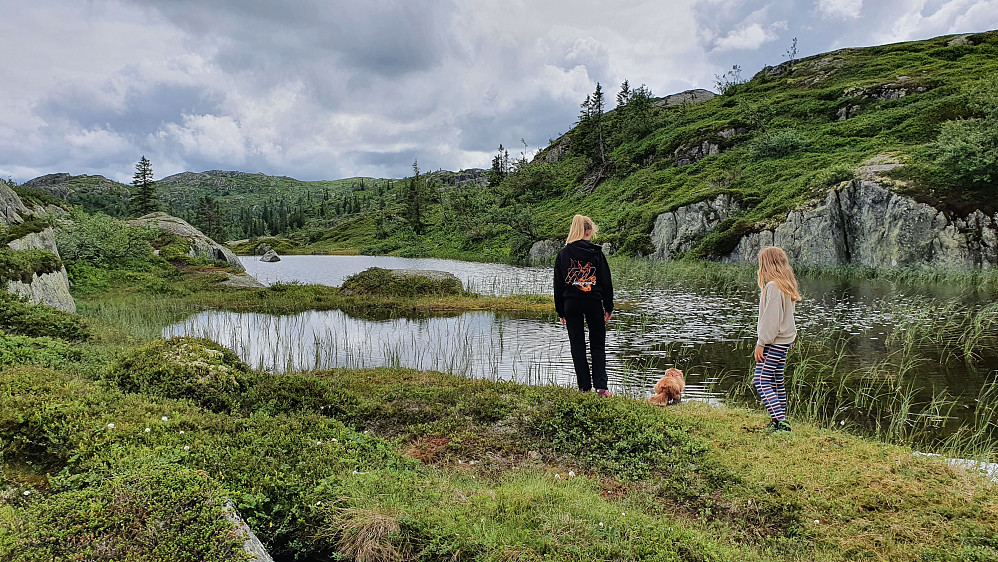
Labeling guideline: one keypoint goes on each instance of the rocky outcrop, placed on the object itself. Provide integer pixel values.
(544, 250)
(251, 543)
(862, 222)
(12, 209)
(682, 229)
(49, 288)
(891, 91)
(201, 245)
(689, 96)
(270, 256)
(555, 152)
(241, 281)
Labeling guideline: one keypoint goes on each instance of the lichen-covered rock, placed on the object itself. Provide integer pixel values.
(270, 256)
(864, 223)
(46, 287)
(689, 96)
(401, 283)
(682, 229)
(12, 209)
(251, 545)
(544, 250)
(200, 245)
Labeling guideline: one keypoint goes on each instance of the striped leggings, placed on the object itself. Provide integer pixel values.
(768, 380)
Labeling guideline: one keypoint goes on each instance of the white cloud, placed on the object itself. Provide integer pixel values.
(749, 37)
(949, 17)
(840, 9)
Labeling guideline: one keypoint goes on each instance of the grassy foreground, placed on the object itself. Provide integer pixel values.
(393, 464)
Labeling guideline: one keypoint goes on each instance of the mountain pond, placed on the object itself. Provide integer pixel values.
(844, 327)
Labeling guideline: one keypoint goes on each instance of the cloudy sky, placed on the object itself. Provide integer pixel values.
(324, 89)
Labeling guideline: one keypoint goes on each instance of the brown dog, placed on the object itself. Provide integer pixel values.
(669, 389)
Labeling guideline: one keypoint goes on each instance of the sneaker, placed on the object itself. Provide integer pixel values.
(603, 393)
(782, 426)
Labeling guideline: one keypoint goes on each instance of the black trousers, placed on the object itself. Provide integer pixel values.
(590, 311)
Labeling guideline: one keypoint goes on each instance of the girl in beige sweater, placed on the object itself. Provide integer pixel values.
(776, 332)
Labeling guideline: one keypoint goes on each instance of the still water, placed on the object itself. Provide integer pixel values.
(706, 333)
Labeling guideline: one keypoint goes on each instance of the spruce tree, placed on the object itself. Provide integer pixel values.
(143, 199)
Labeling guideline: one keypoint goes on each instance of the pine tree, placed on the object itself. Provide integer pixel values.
(415, 200)
(209, 218)
(143, 199)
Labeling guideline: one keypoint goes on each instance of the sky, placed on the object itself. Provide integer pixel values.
(327, 89)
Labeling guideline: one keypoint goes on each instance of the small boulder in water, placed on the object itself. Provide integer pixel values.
(271, 256)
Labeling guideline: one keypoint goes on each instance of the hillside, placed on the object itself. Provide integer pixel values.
(923, 114)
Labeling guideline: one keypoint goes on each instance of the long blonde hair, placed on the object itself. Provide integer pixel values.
(580, 224)
(775, 266)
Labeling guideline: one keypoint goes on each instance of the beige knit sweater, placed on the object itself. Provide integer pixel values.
(776, 317)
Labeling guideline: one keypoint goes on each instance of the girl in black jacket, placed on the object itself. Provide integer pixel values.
(583, 292)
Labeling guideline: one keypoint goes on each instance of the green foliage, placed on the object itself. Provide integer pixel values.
(103, 241)
(778, 144)
(199, 370)
(17, 316)
(37, 196)
(33, 224)
(149, 513)
(23, 265)
(41, 351)
(637, 245)
(382, 282)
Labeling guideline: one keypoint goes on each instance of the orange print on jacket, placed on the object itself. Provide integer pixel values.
(582, 276)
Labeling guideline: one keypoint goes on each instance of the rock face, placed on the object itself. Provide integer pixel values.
(682, 229)
(12, 209)
(201, 245)
(270, 256)
(51, 289)
(689, 96)
(863, 223)
(543, 250)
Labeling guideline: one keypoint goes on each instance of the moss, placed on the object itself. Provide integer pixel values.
(196, 369)
(32, 225)
(23, 265)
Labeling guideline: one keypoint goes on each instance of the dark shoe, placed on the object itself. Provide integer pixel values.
(603, 393)
(782, 426)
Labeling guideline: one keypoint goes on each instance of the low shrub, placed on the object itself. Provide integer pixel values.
(24, 350)
(384, 282)
(638, 245)
(778, 144)
(32, 225)
(196, 369)
(150, 513)
(18, 316)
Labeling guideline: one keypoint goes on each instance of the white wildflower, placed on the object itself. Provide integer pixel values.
(187, 447)
(556, 475)
(110, 426)
(148, 430)
(334, 440)
(27, 492)
(571, 473)
(181, 431)
(816, 522)
(843, 422)
(601, 524)
(318, 442)
(164, 418)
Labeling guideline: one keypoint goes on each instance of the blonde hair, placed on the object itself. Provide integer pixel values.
(580, 224)
(775, 266)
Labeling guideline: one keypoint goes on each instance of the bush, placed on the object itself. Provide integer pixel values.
(967, 151)
(383, 282)
(23, 265)
(103, 241)
(637, 245)
(44, 352)
(778, 144)
(196, 369)
(18, 316)
(150, 513)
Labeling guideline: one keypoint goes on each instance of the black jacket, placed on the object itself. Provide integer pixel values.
(581, 272)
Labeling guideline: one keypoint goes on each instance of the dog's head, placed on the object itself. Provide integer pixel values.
(673, 372)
